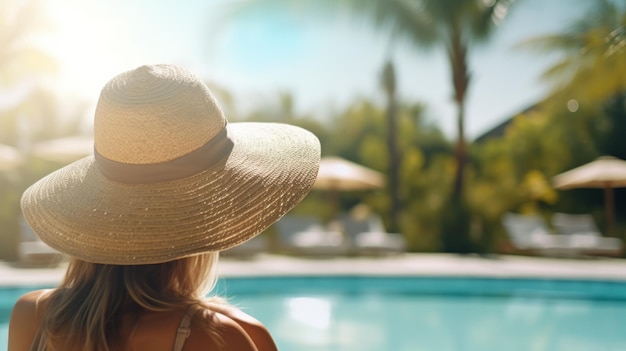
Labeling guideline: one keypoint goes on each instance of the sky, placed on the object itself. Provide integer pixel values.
(324, 64)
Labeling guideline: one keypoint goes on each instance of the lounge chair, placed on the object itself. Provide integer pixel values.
(307, 236)
(530, 234)
(367, 235)
(584, 232)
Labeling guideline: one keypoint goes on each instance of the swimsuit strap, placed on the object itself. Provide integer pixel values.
(184, 328)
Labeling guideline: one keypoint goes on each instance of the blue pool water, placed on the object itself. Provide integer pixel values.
(425, 313)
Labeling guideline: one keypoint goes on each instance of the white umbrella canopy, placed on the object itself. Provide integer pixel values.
(339, 174)
(10, 158)
(606, 172)
(600, 173)
(64, 150)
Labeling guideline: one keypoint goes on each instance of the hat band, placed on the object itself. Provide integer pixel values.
(184, 166)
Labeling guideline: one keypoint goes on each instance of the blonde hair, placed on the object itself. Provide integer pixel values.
(86, 311)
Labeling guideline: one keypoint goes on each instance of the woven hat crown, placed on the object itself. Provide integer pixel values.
(154, 114)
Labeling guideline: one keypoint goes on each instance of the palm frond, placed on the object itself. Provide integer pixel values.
(487, 15)
(547, 43)
(594, 54)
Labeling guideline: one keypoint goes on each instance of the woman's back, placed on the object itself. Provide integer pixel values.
(229, 329)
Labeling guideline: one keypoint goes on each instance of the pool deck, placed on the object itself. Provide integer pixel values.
(402, 265)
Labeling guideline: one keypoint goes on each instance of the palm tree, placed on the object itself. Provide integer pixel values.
(593, 62)
(454, 24)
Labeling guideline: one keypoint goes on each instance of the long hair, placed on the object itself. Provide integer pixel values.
(86, 311)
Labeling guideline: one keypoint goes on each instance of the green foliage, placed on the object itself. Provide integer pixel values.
(12, 185)
(9, 213)
(455, 228)
(358, 133)
(592, 66)
(589, 78)
(514, 172)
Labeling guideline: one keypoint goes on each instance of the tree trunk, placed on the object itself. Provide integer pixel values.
(457, 53)
(456, 218)
(389, 83)
(460, 154)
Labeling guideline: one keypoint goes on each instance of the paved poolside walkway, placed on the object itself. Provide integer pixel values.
(405, 264)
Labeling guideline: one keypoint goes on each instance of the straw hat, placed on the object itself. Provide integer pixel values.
(170, 177)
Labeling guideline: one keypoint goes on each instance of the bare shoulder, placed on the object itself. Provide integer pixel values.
(25, 317)
(35, 296)
(32, 304)
(234, 325)
(255, 329)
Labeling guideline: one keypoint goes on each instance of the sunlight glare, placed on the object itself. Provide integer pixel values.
(313, 312)
(572, 105)
(87, 43)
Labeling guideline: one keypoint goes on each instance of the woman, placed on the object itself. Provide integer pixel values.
(171, 184)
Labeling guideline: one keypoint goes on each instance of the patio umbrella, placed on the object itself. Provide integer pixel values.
(337, 174)
(605, 172)
(10, 158)
(64, 150)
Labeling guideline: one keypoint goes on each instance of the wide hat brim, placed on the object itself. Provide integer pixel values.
(82, 213)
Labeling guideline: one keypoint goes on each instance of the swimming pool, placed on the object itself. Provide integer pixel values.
(425, 313)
